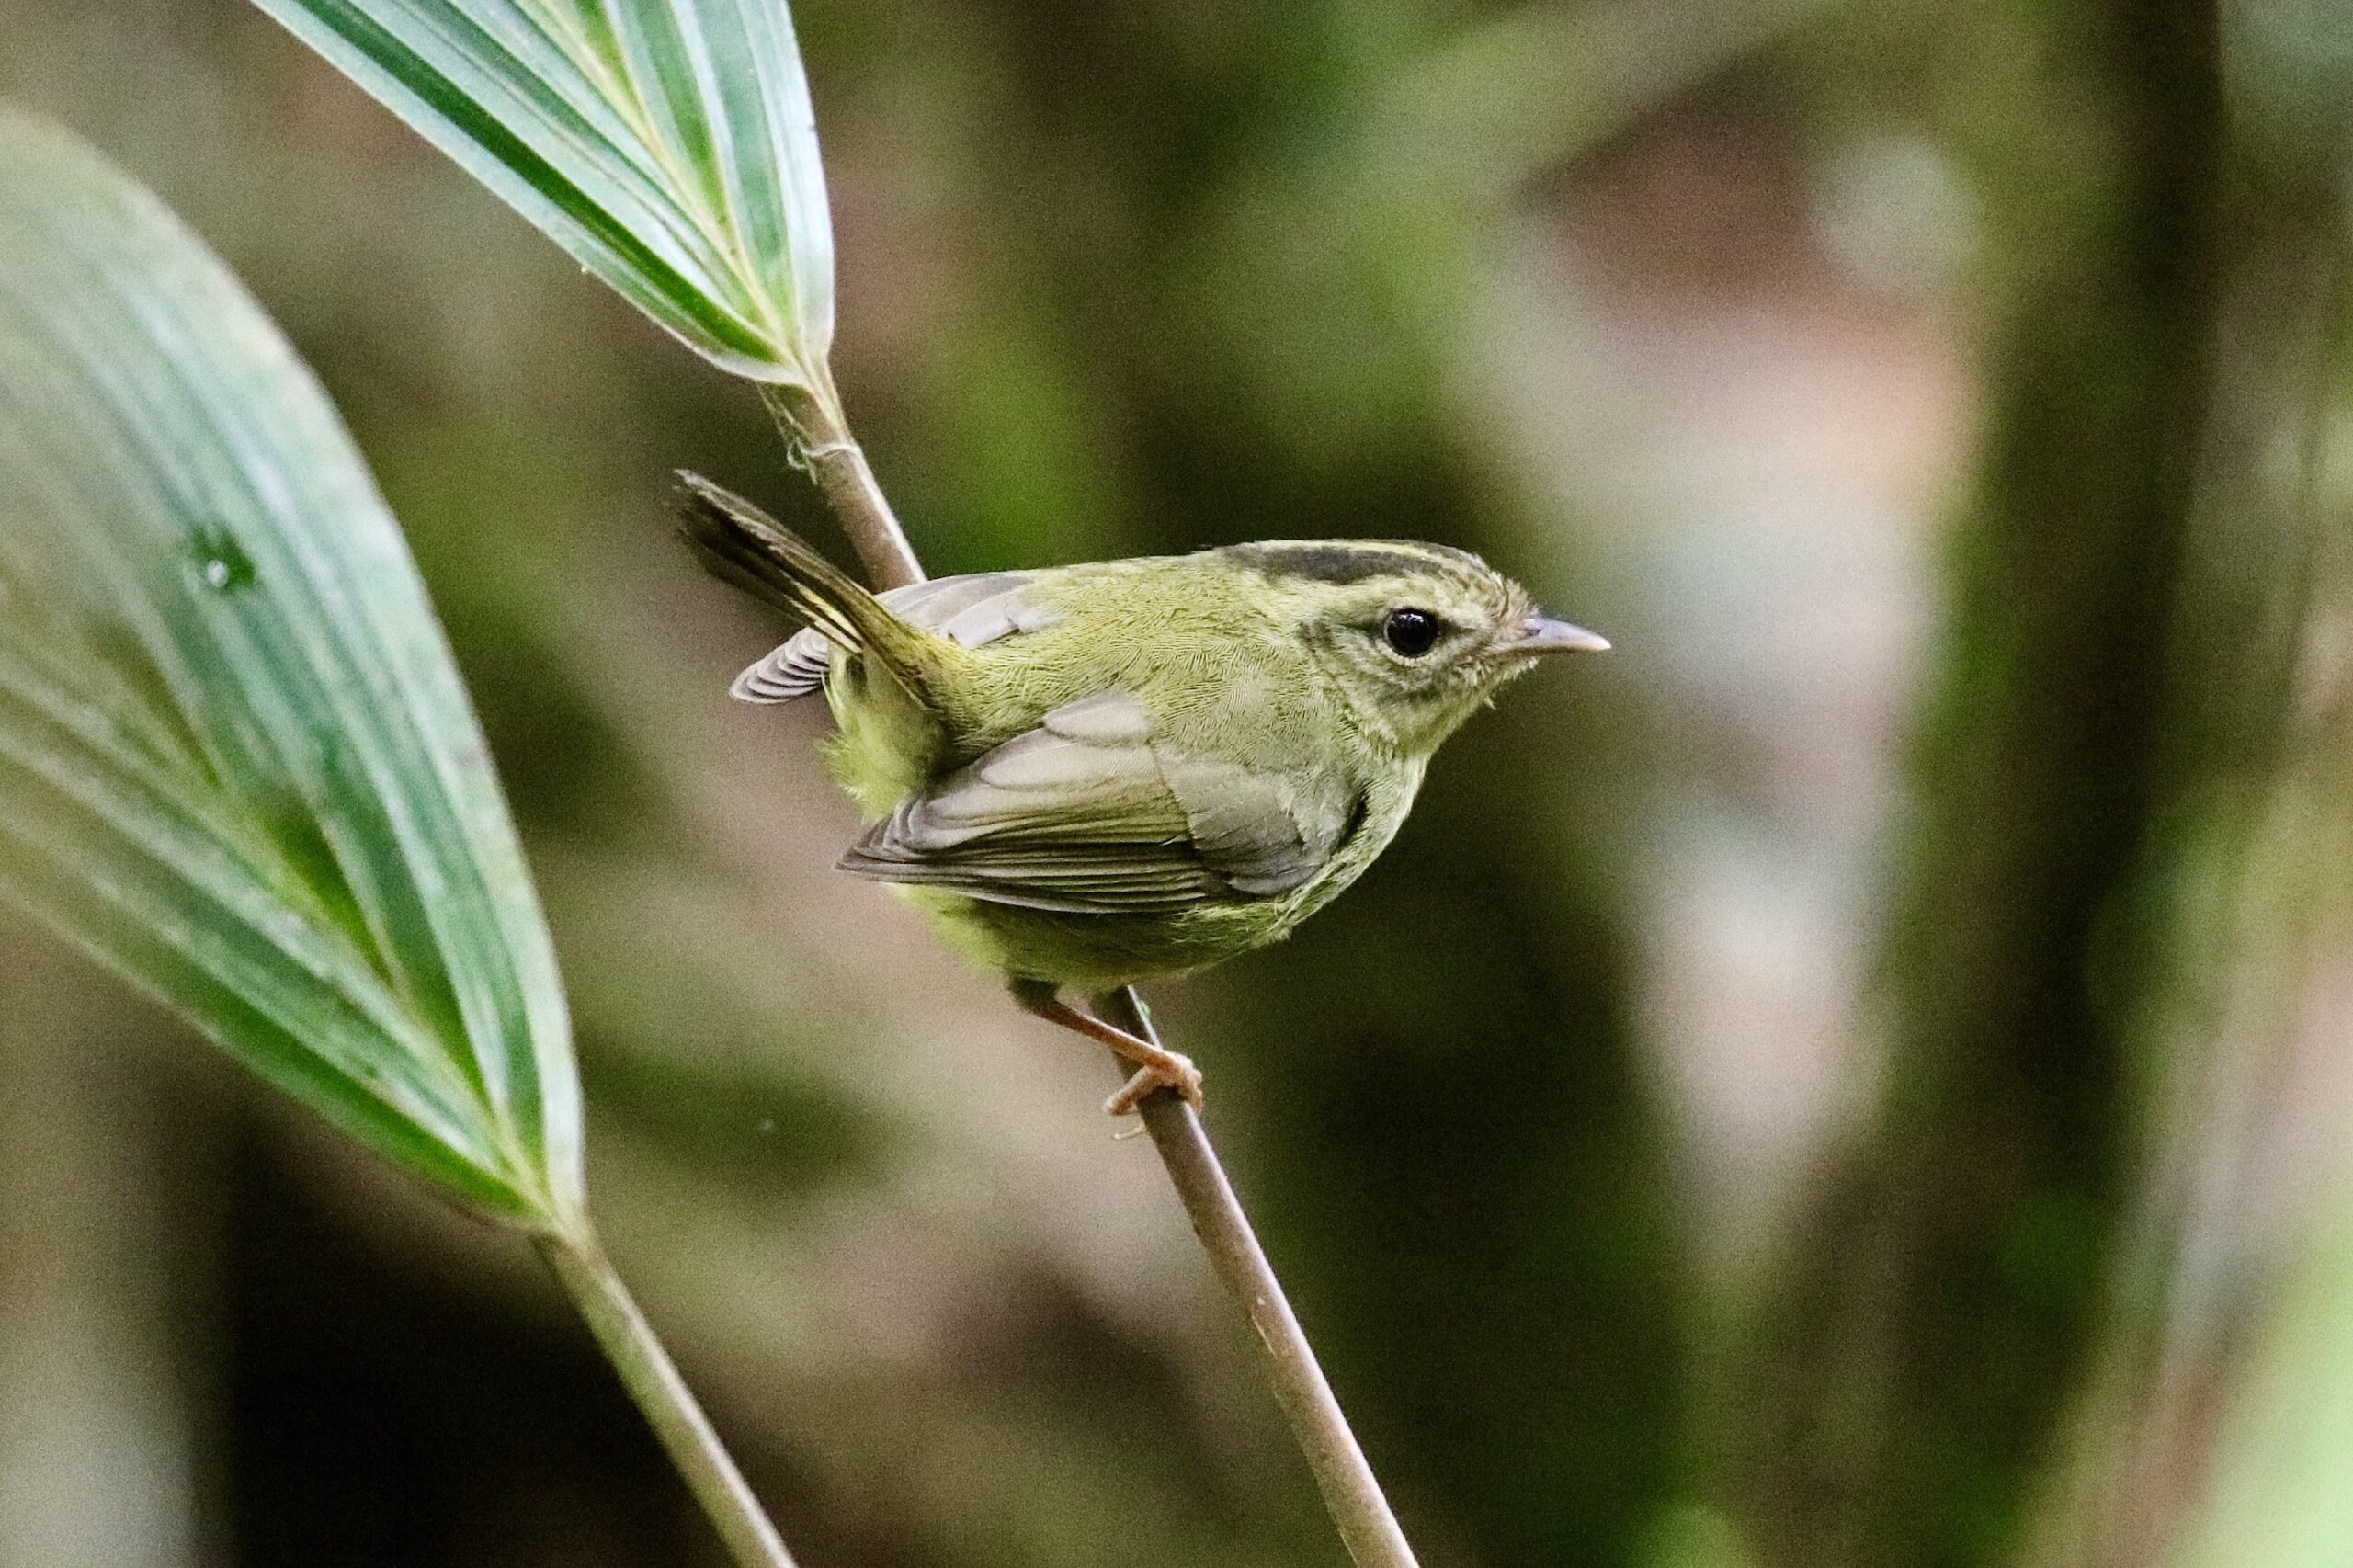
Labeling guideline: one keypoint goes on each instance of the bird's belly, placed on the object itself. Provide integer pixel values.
(1096, 952)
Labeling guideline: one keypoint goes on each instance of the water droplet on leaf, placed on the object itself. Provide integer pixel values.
(221, 563)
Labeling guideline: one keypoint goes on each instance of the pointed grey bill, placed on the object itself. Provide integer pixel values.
(1541, 634)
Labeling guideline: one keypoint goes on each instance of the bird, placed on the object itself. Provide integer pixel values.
(1096, 774)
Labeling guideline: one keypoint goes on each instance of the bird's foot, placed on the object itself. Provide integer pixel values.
(1177, 1072)
(1157, 1067)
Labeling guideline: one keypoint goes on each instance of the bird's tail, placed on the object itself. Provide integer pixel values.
(741, 544)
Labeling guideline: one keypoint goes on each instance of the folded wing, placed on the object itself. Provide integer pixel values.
(1088, 813)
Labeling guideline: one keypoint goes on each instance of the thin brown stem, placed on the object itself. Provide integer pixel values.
(1351, 1493)
(821, 442)
(653, 1381)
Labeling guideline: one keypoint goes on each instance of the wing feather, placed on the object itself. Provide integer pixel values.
(973, 609)
(1088, 813)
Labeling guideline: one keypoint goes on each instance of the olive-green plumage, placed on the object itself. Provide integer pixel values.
(1095, 775)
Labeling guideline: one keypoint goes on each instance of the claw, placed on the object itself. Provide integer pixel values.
(1177, 1072)
(1157, 1067)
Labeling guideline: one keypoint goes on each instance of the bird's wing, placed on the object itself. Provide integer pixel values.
(1087, 815)
(970, 610)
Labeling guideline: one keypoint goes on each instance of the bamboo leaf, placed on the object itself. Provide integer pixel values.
(668, 145)
(237, 763)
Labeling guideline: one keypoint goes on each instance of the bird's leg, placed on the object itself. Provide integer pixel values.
(1156, 1066)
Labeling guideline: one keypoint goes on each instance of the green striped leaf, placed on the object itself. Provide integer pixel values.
(668, 145)
(236, 765)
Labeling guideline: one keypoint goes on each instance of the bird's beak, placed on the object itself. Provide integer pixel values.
(1542, 634)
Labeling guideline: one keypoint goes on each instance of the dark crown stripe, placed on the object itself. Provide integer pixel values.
(1341, 562)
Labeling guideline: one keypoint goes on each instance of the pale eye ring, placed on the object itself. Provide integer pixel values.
(1412, 632)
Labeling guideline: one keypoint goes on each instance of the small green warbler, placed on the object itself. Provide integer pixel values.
(1096, 774)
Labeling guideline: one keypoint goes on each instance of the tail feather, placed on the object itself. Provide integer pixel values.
(742, 545)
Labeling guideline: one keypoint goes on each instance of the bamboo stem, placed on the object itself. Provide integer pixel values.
(1351, 1493)
(646, 1371)
(821, 442)
(813, 422)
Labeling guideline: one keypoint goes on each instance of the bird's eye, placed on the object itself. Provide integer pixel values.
(1412, 632)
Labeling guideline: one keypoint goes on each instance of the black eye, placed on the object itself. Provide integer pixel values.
(1412, 632)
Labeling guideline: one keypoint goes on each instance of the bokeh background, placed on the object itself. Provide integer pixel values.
(1860, 1077)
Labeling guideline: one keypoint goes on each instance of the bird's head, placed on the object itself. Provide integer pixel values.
(1416, 636)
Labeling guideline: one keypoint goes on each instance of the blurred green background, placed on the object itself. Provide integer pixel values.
(1861, 1076)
